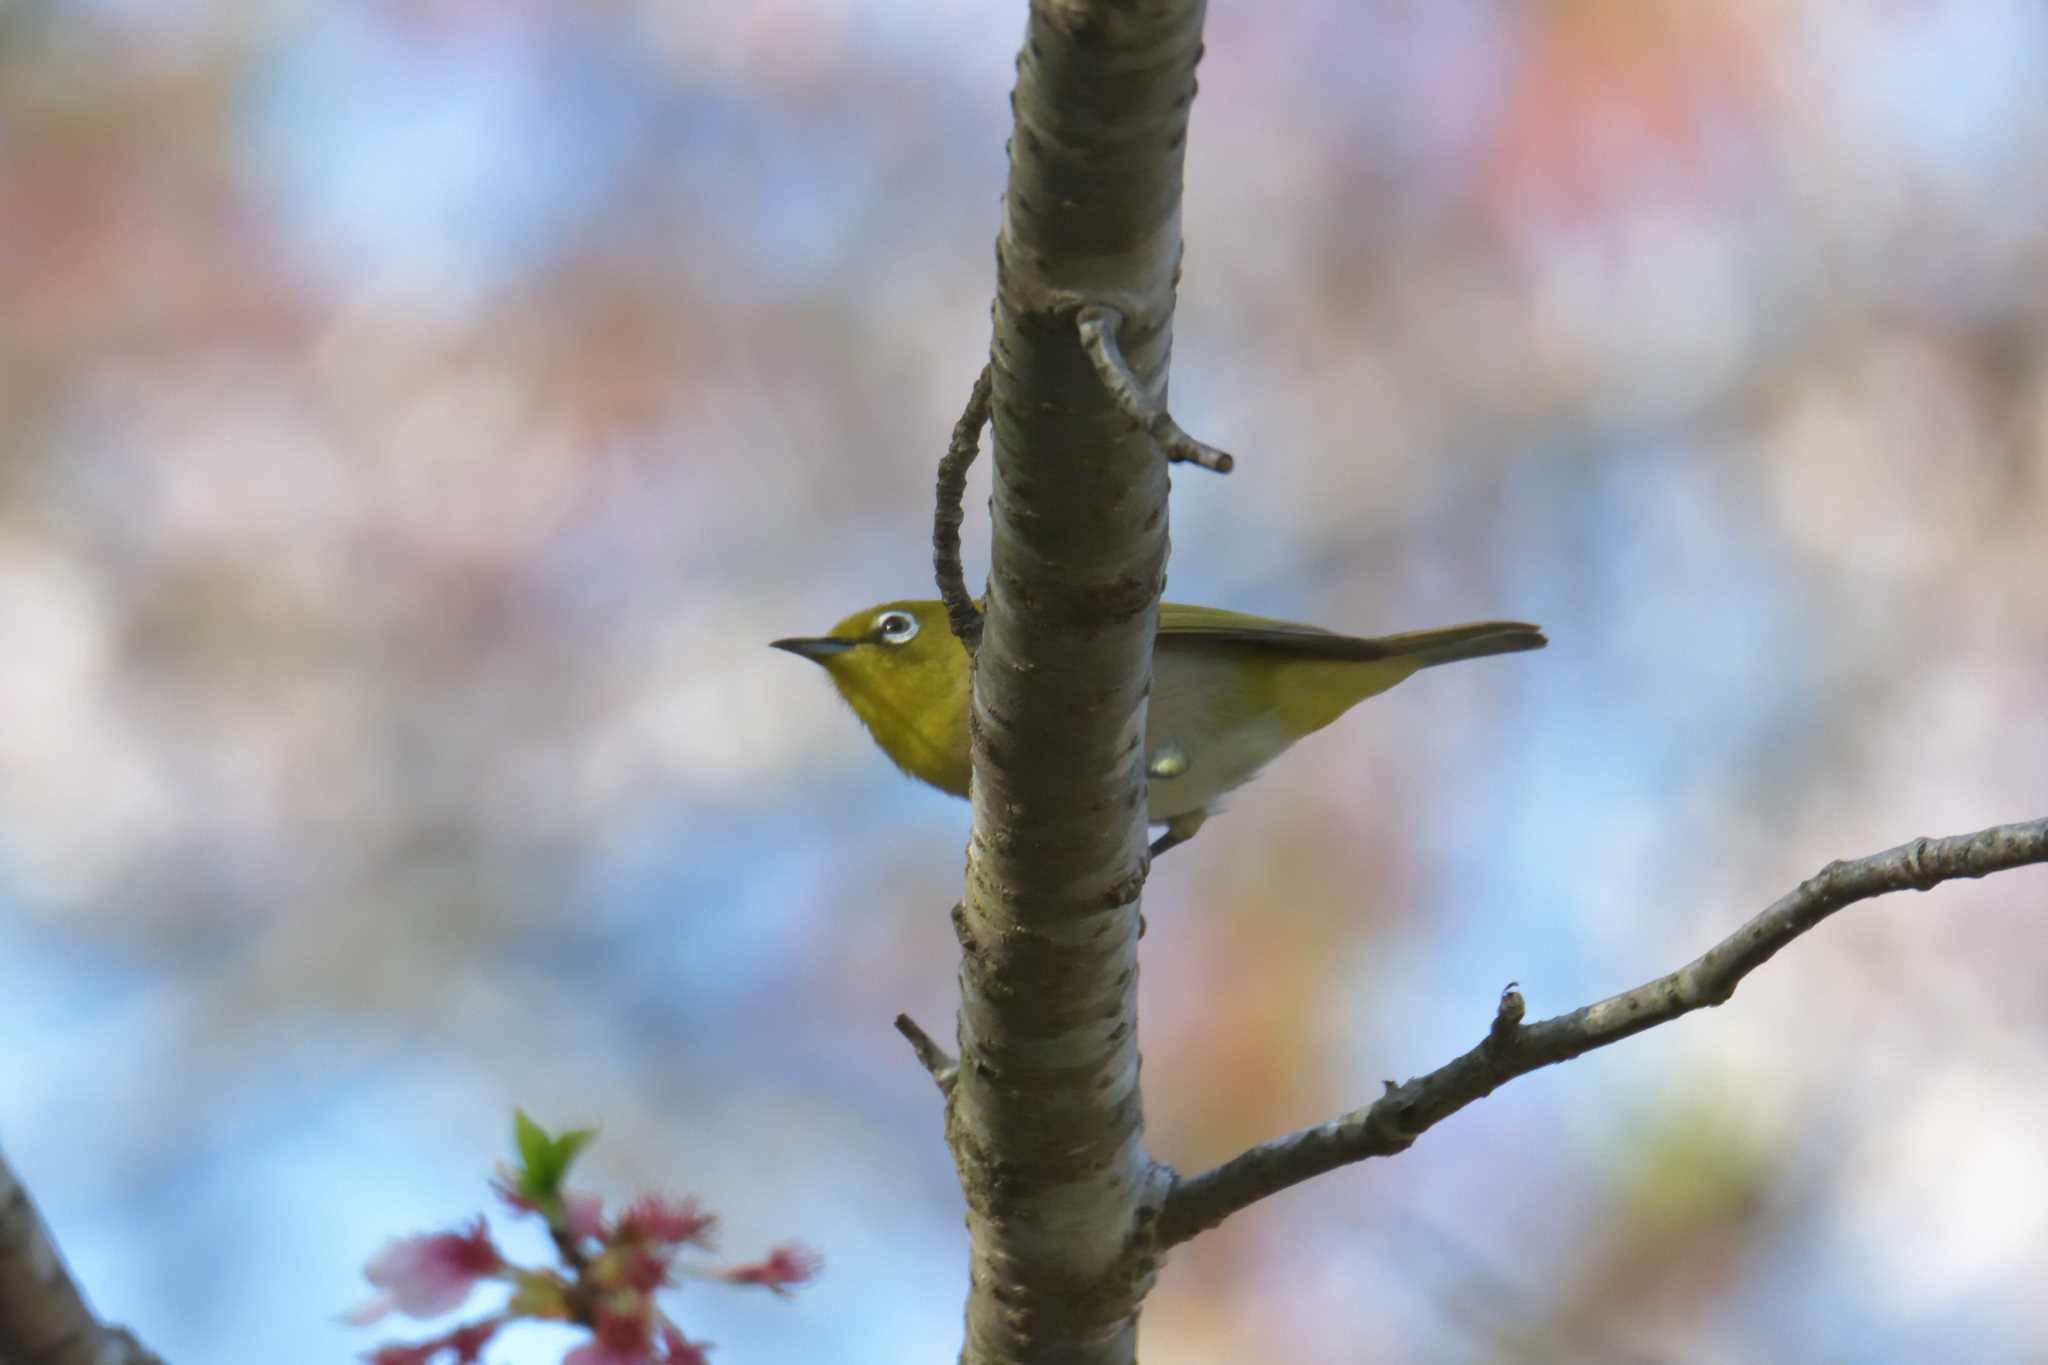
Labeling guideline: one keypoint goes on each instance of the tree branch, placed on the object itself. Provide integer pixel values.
(1397, 1118)
(44, 1319)
(1100, 328)
(947, 515)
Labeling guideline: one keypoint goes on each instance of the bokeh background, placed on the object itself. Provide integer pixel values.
(416, 416)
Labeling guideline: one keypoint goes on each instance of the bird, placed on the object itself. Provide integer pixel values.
(1230, 692)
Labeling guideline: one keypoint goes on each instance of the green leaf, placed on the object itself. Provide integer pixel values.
(544, 1159)
(570, 1144)
(534, 1145)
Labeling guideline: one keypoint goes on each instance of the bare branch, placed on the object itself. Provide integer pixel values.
(936, 1059)
(43, 1317)
(1099, 326)
(946, 515)
(1405, 1112)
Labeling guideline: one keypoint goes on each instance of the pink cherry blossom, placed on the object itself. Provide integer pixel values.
(597, 1353)
(680, 1350)
(427, 1275)
(670, 1221)
(789, 1264)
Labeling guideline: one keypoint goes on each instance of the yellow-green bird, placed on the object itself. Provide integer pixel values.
(1230, 692)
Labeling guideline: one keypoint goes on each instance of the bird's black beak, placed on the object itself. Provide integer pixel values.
(817, 650)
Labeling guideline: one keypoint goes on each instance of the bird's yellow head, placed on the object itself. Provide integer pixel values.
(905, 674)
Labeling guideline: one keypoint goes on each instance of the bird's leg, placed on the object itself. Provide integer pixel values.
(1179, 830)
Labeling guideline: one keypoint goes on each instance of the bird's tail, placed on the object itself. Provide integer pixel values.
(1476, 641)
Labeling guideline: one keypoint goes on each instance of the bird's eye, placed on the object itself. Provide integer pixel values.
(896, 627)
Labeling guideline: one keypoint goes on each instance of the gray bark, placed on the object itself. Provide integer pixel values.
(44, 1319)
(1044, 1118)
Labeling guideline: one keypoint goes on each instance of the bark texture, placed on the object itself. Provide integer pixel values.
(1044, 1118)
(44, 1320)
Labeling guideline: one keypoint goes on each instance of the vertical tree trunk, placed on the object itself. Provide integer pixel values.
(1045, 1120)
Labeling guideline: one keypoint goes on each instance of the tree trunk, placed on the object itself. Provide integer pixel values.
(1045, 1120)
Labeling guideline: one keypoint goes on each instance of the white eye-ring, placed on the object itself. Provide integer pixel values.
(896, 627)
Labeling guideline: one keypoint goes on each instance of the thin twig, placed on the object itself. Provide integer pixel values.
(936, 1059)
(947, 515)
(1098, 325)
(1405, 1112)
(43, 1316)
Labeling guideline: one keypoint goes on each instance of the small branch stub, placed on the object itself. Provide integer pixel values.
(947, 515)
(1508, 1017)
(934, 1058)
(1098, 326)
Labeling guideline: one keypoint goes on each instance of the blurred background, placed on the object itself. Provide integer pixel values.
(416, 417)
